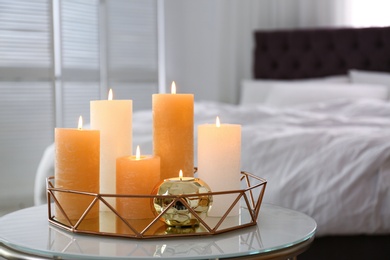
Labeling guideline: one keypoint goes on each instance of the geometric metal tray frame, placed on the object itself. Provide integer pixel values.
(252, 197)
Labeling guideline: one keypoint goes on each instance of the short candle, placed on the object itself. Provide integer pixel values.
(136, 175)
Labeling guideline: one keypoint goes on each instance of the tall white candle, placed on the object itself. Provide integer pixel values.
(219, 163)
(114, 120)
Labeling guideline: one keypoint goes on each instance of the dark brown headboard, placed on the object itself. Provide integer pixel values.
(308, 53)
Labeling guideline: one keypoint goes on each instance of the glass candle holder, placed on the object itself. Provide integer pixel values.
(171, 193)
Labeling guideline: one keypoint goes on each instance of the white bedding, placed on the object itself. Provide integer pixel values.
(329, 160)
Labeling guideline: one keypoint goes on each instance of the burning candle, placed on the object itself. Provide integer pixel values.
(114, 120)
(219, 160)
(181, 178)
(136, 175)
(173, 132)
(77, 153)
(178, 213)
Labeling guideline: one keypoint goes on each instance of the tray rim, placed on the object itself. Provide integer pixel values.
(252, 206)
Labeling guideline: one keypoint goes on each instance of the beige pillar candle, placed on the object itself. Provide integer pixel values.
(77, 153)
(114, 120)
(136, 175)
(173, 132)
(219, 162)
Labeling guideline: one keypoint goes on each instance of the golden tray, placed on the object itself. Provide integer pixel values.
(111, 223)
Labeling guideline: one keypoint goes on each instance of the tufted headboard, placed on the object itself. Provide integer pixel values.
(309, 53)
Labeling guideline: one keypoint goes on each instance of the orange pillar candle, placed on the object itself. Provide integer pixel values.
(77, 154)
(114, 120)
(219, 162)
(173, 132)
(136, 175)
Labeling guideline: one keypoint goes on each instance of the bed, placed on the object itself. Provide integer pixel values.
(334, 165)
(316, 124)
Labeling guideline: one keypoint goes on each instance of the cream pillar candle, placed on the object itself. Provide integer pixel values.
(173, 132)
(136, 175)
(114, 120)
(77, 153)
(219, 162)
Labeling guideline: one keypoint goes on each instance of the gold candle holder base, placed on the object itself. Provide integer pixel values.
(180, 213)
(111, 223)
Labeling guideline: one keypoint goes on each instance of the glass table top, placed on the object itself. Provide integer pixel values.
(29, 231)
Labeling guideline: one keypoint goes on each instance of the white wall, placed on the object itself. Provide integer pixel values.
(191, 47)
(197, 41)
(209, 43)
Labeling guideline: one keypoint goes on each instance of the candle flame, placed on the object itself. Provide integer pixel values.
(138, 153)
(80, 125)
(173, 88)
(110, 95)
(181, 174)
(217, 122)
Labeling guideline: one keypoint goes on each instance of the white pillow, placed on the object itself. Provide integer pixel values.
(372, 77)
(286, 95)
(256, 91)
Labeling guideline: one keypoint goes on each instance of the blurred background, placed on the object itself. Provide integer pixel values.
(57, 55)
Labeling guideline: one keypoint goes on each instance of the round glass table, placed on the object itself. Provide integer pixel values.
(279, 233)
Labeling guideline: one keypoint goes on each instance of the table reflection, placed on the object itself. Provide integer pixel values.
(71, 243)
